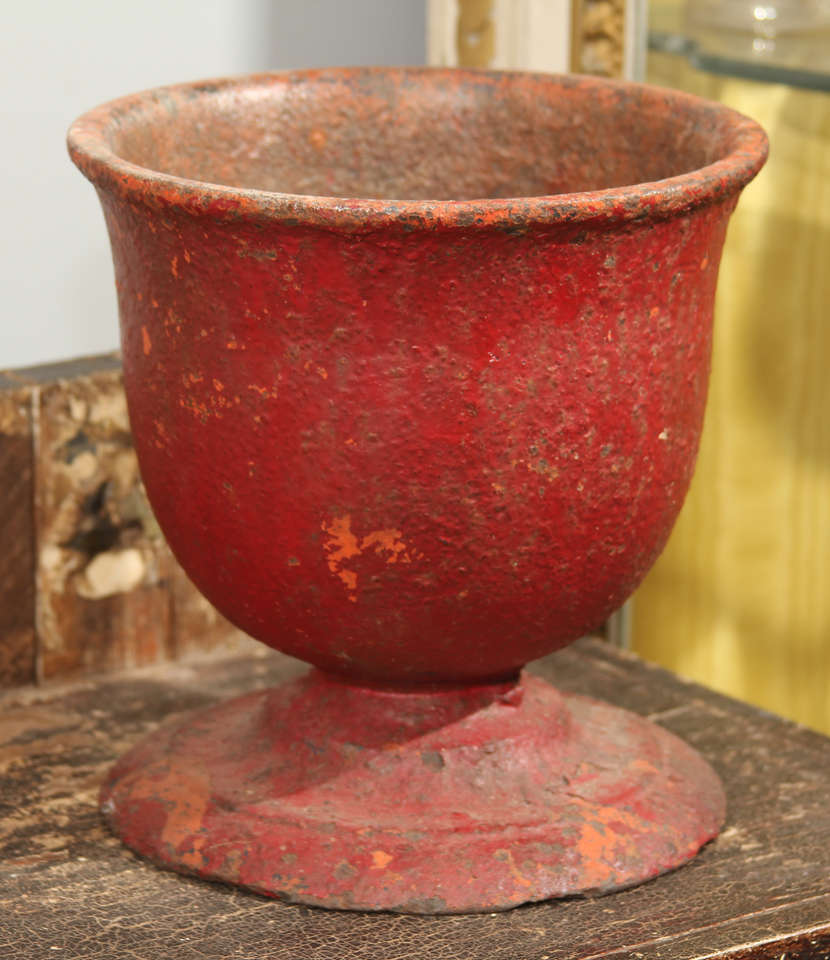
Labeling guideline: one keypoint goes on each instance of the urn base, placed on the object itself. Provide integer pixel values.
(430, 801)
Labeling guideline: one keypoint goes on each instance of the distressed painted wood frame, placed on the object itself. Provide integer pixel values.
(598, 37)
(601, 37)
(87, 582)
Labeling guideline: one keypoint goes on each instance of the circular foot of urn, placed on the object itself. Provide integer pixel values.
(449, 801)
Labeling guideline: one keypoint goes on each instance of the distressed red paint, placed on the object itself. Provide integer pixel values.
(452, 800)
(419, 440)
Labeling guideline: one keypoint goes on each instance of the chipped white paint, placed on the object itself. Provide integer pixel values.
(110, 409)
(112, 572)
(529, 34)
(83, 467)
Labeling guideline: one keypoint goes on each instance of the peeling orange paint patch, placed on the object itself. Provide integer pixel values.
(343, 544)
(540, 466)
(320, 371)
(598, 851)
(161, 439)
(389, 541)
(518, 876)
(380, 859)
(183, 822)
(593, 842)
(270, 392)
(215, 405)
(642, 766)
(174, 267)
(186, 798)
(606, 836)
(145, 340)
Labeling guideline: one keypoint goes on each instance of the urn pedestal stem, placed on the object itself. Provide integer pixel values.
(455, 801)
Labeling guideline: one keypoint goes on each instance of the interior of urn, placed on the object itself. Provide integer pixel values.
(401, 135)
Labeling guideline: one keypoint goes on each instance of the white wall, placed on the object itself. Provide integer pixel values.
(58, 59)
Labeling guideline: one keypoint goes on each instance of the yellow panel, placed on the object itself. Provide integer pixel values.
(740, 600)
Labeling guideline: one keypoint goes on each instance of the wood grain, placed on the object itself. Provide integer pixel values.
(17, 539)
(67, 888)
(87, 582)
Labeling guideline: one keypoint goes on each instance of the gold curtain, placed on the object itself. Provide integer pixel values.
(740, 600)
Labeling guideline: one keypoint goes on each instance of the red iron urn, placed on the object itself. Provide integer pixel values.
(416, 364)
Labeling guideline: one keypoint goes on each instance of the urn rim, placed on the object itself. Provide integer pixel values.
(745, 150)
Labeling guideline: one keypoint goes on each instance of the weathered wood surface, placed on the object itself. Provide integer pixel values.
(17, 539)
(68, 889)
(87, 582)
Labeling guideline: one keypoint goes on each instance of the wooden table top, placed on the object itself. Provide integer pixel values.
(69, 889)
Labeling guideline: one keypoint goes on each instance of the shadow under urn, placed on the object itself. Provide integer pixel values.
(416, 364)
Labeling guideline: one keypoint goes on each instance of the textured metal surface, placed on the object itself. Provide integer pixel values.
(416, 441)
(423, 440)
(422, 803)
